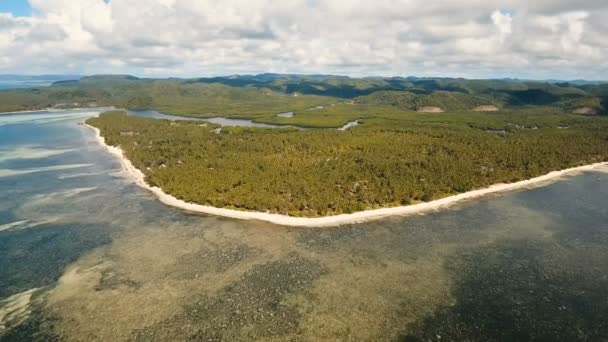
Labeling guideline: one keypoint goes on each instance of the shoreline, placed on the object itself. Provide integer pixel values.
(330, 221)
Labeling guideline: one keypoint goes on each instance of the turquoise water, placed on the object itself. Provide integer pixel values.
(86, 255)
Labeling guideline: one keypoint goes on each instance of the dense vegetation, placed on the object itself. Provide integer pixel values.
(261, 97)
(395, 157)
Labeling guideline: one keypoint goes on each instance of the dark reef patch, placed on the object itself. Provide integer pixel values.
(212, 260)
(37, 257)
(519, 290)
(253, 307)
(37, 328)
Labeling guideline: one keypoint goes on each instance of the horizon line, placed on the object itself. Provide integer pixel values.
(304, 74)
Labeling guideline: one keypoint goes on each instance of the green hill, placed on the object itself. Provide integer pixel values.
(262, 96)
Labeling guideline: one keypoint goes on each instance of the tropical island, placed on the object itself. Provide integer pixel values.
(416, 140)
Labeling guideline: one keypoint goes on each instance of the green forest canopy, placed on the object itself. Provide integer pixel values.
(397, 155)
(393, 158)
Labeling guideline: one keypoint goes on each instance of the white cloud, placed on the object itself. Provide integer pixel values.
(544, 38)
(502, 22)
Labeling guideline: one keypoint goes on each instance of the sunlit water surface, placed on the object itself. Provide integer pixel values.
(85, 255)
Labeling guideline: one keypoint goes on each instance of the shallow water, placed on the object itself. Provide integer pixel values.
(349, 125)
(86, 255)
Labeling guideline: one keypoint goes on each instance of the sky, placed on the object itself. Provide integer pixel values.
(540, 39)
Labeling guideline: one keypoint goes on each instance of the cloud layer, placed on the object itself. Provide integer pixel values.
(469, 38)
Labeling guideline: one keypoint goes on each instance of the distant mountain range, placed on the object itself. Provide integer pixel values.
(11, 77)
(271, 77)
(409, 93)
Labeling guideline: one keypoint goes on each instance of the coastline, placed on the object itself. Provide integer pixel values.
(335, 220)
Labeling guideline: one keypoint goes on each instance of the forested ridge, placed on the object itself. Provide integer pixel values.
(312, 98)
(393, 158)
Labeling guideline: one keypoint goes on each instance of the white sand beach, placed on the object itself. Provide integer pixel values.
(335, 220)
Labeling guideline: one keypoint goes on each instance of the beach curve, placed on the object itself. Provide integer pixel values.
(335, 220)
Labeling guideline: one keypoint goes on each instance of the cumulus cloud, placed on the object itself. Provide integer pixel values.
(469, 38)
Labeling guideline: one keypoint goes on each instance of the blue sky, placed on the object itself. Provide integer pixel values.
(16, 7)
